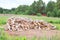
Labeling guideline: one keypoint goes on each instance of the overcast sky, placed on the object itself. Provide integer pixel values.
(15, 3)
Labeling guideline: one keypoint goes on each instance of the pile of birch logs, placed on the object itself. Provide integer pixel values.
(20, 23)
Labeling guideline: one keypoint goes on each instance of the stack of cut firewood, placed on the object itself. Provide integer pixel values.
(20, 23)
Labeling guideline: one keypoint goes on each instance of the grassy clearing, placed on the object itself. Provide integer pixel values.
(49, 19)
(5, 36)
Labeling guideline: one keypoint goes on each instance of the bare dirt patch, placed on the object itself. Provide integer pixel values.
(37, 33)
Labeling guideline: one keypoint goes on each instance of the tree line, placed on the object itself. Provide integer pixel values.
(52, 9)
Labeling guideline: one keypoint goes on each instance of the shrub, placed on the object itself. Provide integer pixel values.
(38, 14)
(51, 14)
(48, 14)
(50, 21)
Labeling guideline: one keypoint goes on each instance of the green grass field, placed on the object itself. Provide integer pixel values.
(4, 36)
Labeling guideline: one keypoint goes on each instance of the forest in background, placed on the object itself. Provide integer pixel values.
(52, 9)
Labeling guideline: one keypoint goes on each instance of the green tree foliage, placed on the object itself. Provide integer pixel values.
(51, 14)
(6, 11)
(58, 4)
(38, 7)
(33, 8)
(1, 10)
(50, 6)
(58, 13)
(12, 11)
(21, 9)
(52, 9)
